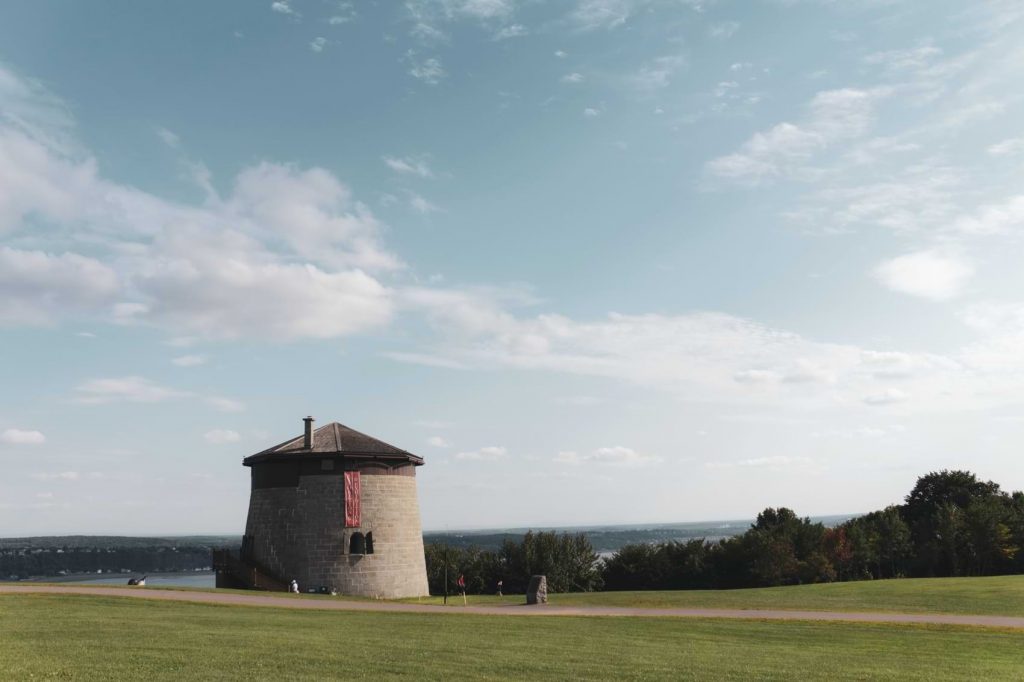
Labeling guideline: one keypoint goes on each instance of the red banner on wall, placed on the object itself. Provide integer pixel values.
(352, 495)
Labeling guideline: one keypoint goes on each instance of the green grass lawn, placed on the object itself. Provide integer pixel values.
(1001, 595)
(107, 638)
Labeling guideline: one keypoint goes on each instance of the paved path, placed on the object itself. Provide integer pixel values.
(335, 604)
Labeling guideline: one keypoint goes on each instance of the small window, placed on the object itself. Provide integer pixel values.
(369, 543)
(357, 544)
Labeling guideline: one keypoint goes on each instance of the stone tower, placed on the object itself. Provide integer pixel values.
(336, 509)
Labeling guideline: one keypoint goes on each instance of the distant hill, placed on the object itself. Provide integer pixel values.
(110, 541)
(609, 538)
(37, 557)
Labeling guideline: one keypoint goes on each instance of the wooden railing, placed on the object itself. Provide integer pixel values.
(246, 571)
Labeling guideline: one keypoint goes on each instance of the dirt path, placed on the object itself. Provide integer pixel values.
(334, 604)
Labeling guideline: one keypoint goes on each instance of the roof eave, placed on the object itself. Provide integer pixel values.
(267, 456)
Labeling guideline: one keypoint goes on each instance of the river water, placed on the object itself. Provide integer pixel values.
(185, 579)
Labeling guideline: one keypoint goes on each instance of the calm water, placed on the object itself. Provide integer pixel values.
(188, 579)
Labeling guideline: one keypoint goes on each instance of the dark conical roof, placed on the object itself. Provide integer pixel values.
(334, 439)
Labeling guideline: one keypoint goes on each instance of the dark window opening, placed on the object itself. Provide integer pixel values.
(369, 543)
(357, 544)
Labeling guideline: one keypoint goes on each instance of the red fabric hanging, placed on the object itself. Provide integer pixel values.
(352, 495)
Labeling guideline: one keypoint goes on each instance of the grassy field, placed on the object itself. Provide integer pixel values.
(1001, 595)
(103, 638)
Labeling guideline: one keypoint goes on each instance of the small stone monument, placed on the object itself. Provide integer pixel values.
(537, 592)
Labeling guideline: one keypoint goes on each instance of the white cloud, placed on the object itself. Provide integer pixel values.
(132, 389)
(421, 205)
(786, 148)
(918, 197)
(169, 138)
(996, 317)
(60, 476)
(22, 437)
(408, 166)
(488, 454)
(225, 404)
(572, 78)
(481, 10)
(614, 456)
(39, 287)
(912, 59)
(724, 30)
(994, 218)
(593, 14)
(438, 442)
(1010, 147)
(775, 461)
(432, 424)
(430, 71)
(928, 274)
(283, 7)
(511, 31)
(721, 358)
(580, 400)
(318, 44)
(182, 341)
(591, 112)
(222, 436)
(561, 54)
(287, 254)
(887, 397)
(657, 73)
(189, 360)
(344, 12)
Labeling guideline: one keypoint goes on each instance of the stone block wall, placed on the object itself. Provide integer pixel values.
(298, 533)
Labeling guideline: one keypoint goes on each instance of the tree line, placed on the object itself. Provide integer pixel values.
(950, 524)
(52, 561)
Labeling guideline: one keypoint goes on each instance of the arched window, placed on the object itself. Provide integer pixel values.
(369, 543)
(357, 544)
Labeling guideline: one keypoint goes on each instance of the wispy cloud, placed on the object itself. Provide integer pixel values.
(724, 30)
(490, 453)
(771, 462)
(1013, 146)
(589, 15)
(614, 456)
(22, 437)
(657, 73)
(409, 166)
(429, 71)
(510, 31)
(222, 436)
(421, 205)
(786, 149)
(58, 476)
(284, 7)
(132, 389)
(225, 404)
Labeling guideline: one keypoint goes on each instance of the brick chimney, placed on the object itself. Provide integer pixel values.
(308, 439)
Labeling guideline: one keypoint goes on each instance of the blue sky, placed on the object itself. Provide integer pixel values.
(597, 261)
